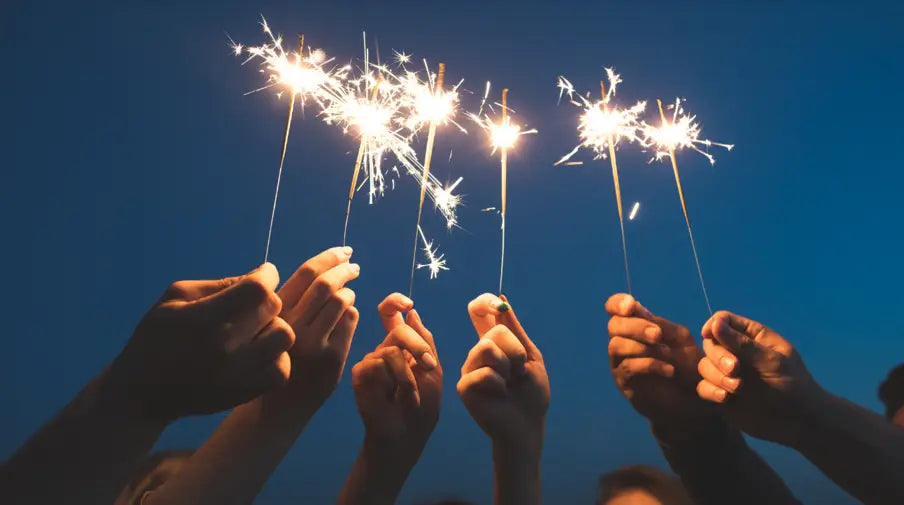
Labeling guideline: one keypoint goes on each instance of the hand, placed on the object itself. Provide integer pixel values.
(757, 375)
(503, 382)
(320, 310)
(398, 387)
(206, 346)
(654, 364)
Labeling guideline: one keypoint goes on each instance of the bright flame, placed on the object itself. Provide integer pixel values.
(681, 132)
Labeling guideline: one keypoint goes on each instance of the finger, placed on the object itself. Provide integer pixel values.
(725, 334)
(270, 343)
(391, 308)
(710, 392)
(711, 373)
(625, 305)
(340, 340)
(507, 317)
(336, 305)
(483, 311)
(483, 380)
(246, 306)
(707, 330)
(621, 348)
(633, 367)
(514, 350)
(413, 319)
(487, 354)
(721, 357)
(405, 382)
(320, 291)
(372, 372)
(635, 328)
(404, 337)
(301, 280)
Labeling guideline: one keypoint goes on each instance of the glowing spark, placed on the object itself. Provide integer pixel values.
(444, 200)
(434, 263)
(427, 103)
(634, 211)
(681, 132)
(401, 58)
(503, 134)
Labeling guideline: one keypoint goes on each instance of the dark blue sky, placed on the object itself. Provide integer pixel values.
(131, 158)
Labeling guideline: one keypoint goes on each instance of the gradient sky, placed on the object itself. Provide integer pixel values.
(131, 159)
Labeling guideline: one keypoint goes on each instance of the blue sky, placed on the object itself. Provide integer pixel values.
(131, 158)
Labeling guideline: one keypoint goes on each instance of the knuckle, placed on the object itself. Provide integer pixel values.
(254, 289)
(176, 290)
(322, 286)
(307, 270)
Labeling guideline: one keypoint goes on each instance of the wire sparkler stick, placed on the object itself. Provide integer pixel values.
(618, 199)
(428, 155)
(354, 184)
(680, 132)
(282, 155)
(503, 159)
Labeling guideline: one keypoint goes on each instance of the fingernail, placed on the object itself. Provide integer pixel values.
(727, 364)
(721, 395)
(730, 383)
(428, 361)
(627, 304)
(652, 332)
(668, 369)
(501, 306)
(347, 250)
(356, 268)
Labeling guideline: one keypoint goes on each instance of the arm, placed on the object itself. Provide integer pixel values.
(858, 449)
(717, 466)
(318, 321)
(173, 365)
(86, 454)
(505, 388)
(398, 389)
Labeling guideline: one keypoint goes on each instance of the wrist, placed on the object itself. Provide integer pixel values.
(109, 396)
(382, 471)
(810, 409)
(672, 432)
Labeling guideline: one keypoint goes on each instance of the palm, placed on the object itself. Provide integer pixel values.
(515, 413)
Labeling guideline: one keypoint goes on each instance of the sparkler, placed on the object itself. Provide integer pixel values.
(428, 104)
(304, 77)
(680, 133)
(503, 136)
(601, 127)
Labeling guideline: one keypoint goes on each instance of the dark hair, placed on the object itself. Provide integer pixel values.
(891, 391)
(450, 502)
(663, 486)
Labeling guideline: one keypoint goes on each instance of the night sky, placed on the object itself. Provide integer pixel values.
(131, 158)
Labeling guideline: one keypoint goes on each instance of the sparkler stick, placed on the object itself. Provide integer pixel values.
(684, 207)
(618, 199)
(503, 161)
(431, 135)
(354, 185)
(282, 155)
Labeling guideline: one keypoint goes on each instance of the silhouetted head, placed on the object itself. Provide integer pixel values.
(891, 392)
(449, 502)
(641, 485)
(151, 474)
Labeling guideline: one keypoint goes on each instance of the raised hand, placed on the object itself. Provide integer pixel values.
(654, 364)
(503, 381)
(398, 387)
(761, 374)
(206, 346)
(319, 308)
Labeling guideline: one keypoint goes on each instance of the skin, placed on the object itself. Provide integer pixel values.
(205, 346)
(505, 388)
(776, 398)
(634, 497)
(398, 389)
(233, 465)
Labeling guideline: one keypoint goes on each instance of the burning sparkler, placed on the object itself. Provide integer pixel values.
(302, 76)
(428, 104)
(601, 128)
(434, 263)
(681, 132)
(503, 136)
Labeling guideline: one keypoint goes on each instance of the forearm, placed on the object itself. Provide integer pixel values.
(236, 461)
(517, 474)
(377, 476)
(717, 466)
(86, 454)
(859, 450)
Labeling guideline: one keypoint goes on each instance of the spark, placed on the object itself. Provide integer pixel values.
(435, 262)
(444, 200)
(503, 134)
(401, 58)
(680, 132)
(634, 211)
(426, 103)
